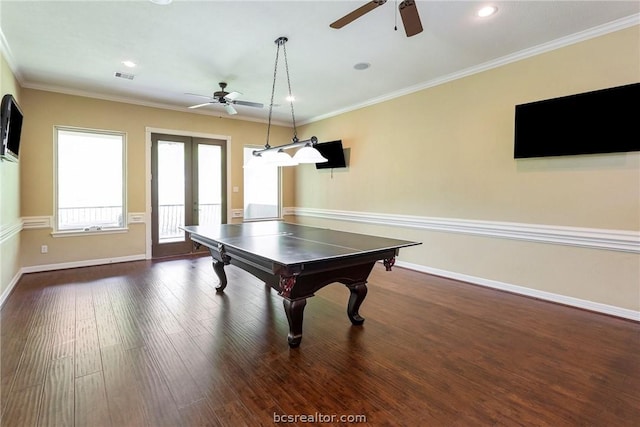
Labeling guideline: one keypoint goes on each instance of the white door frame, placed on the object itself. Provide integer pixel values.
(147, 155)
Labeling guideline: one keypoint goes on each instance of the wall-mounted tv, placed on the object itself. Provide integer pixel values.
(10, 128)
(334, 153)
(602, 121)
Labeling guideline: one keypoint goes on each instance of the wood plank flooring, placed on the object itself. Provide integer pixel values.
(150, 343)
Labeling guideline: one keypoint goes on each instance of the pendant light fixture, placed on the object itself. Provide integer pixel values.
(276, 156)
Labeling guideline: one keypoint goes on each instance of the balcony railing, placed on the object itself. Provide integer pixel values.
(82, 218)
(170, 218)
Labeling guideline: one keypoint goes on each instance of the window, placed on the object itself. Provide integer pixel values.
(261, 190)
(90, 180)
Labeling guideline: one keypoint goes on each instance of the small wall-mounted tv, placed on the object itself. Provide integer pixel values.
(602, 121)
(10, 128)
(334, 153)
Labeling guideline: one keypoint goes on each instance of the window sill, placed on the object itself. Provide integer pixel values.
(76, 233)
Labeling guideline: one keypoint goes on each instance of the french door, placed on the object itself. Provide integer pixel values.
(188, 187)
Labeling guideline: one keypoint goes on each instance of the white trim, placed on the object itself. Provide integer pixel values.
(63, 266)
(5, 295)
(37, 222)
(5, 49)
(91, 232)
(286, 211)
(581, 36)
(85, 263)
(594, 238)
(136, 217)
(147, 192)
(42, 222)
(10, 230)
(142, 103)
(521, 290)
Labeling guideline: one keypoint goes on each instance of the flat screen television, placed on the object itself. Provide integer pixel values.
(602, 121)
(334, 153)
(10, 128)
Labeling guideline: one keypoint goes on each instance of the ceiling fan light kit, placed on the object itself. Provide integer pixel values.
(276, 156)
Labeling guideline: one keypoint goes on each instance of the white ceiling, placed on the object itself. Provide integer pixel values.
(189, 46)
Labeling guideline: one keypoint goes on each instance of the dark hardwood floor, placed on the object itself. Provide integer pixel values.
(151, 343)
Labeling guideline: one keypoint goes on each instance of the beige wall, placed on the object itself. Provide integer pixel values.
(447, 152)
(43, 110)
(10, 222)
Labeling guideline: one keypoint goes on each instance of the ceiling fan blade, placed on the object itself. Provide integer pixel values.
(410, 17)
(230, 109)
(201, 96)
(232, 95)
(249, 104)
(202, 105)
(350, 17)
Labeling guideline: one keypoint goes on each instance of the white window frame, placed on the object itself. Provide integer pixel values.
(93, 230)
(279, 197)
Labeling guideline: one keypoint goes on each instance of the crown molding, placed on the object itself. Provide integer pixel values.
(141, 103)
(5, 50)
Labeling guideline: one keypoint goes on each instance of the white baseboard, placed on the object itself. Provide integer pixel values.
(63, 266)
(85, 263)
(546, 296)
(9, 289)
(521, 290)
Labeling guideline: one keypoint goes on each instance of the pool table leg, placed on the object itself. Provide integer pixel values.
(358, 293)
(218, 268)
(294, 310)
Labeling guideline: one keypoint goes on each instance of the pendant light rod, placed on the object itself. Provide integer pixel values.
(280, 41)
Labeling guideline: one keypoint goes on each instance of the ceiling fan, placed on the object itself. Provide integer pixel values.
(408, 12)
(228, 99)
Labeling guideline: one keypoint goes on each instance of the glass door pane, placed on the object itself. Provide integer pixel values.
(209, 198)
(261, 190)
(171, 191)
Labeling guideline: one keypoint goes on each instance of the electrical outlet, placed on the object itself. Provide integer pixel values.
(44, 249)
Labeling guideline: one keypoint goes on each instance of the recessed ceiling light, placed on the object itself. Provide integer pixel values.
(291, 98)
(129, 64)
(161, 2)
(362, 66)
(487, 11)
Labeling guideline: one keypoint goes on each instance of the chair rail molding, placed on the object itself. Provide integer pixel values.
(594, 238)
(37, 222)
(7, 231)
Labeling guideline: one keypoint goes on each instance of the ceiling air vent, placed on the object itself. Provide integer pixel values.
(124, 75)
